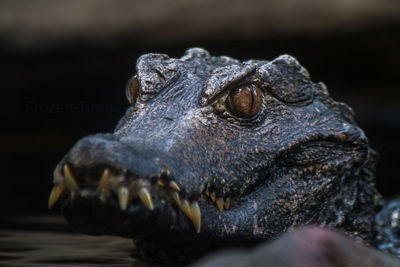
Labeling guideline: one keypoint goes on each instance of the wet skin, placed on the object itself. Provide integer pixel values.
(214, 152)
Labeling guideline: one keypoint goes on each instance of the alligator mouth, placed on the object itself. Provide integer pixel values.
(125, 190)
(105, 175)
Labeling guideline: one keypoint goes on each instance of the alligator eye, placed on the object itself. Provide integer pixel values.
(245, 101)
(132, 90)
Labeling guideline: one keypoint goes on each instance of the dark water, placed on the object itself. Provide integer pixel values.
(48, 241)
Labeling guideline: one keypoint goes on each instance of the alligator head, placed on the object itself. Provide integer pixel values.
(216, 152)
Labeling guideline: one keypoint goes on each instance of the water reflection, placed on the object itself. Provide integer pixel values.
(48, 241)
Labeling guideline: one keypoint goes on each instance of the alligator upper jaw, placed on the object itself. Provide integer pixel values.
(110, 179)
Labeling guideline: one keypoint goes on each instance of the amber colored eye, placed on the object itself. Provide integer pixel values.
(245, 101)
(132, 90)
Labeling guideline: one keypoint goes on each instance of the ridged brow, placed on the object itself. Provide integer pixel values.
(224, 77)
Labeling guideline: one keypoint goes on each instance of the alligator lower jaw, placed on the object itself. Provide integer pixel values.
(125, 195)
(154, 240)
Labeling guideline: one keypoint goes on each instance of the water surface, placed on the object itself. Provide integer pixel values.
(49, 241)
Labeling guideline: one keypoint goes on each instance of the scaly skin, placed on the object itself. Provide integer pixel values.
(183, 173)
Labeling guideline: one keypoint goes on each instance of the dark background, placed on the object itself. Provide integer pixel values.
(56, 88)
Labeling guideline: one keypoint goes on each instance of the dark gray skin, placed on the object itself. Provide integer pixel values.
(301, 159)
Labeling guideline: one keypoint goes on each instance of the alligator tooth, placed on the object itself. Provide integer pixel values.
(84, 193)
(70, 182)
(220, 203)
(102, 188)
(123, 197)
(176, 197)
(55, 195)
(165, 171)
(212, 196)
(103, 183)
(186, 208)
(174, 185)
(227, 203)
(145, 197)
(196, 216)
(160, 183)
(207, 193)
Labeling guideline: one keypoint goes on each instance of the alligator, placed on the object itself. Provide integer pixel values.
(214, 152)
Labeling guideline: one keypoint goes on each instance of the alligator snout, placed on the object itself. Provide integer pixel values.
(101, 169)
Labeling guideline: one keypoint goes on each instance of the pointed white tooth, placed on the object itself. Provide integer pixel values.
(174, 185)
(227, 203)
(123, 197)
(103, 183)
(55, 195)
(175, 196)
(165, 171)
(84, 193)
(196, 216)
(70, 182)
(145, 197)
(103, 187)
(213, 197)
(185, 207)
(220, 203)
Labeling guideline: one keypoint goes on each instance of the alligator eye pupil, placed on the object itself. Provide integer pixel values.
(245, 101)
(132, 90)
